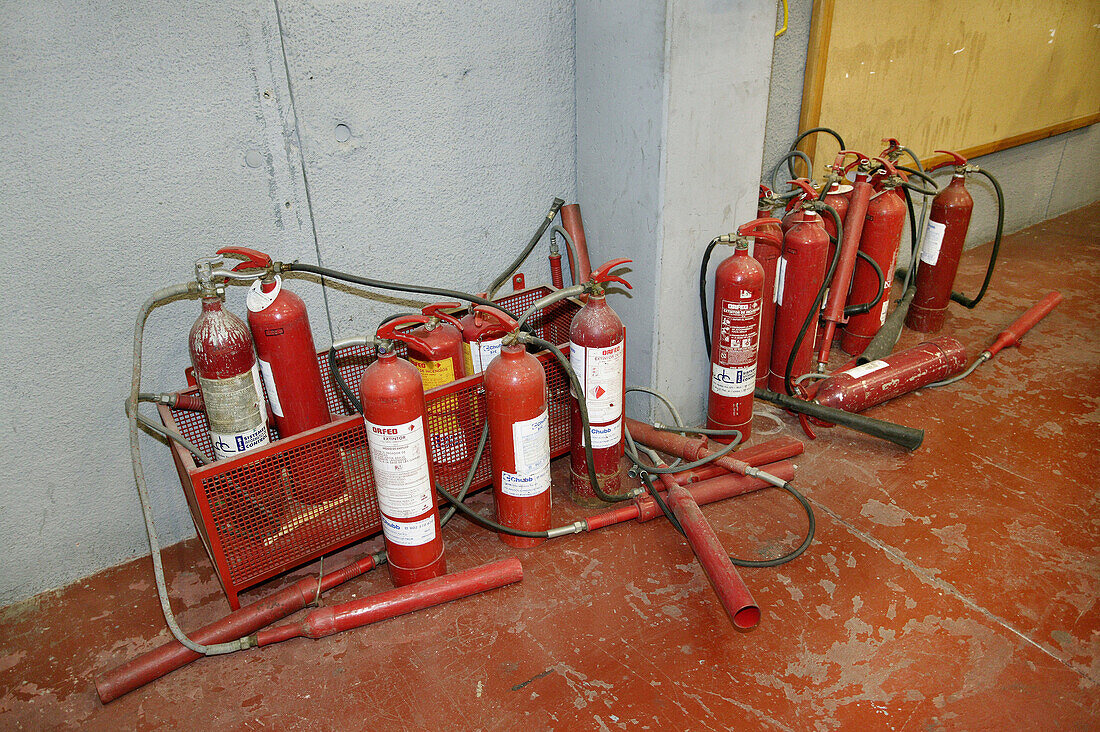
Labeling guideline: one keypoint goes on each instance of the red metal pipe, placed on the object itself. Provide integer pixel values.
(842, 278)
(783, 447)
(732, 592)
(173, 655)
(398, 601)
(681, 446)
(644, 508)
(571, 222)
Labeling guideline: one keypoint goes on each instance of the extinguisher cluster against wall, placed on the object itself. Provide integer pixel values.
(857, 282)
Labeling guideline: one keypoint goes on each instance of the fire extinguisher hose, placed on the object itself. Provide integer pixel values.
(773, 175)
(866, 307)
(958, 297)
(807, 133)
(160, 296)
(543, 225)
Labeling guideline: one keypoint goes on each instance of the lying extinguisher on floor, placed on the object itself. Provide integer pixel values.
(284, 348)
(879, 242)
(944, 238)
(394, 414)
(735, 338)
(597, 354)
(519, 431)
(225, 366)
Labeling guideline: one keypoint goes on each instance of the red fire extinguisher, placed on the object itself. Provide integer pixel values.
(838, 197)
(437, 351)
(225, 366)
(943, 244)
(766, 252)
(481, 338)
(284, 347)
(798, 280)
(394, 413)
(879, 241)
(519, 431)
(597, 353)
(735, 334)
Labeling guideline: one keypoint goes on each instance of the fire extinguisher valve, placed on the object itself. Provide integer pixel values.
(602, 275)
(961, 164)
(436, 315)
(389, 333)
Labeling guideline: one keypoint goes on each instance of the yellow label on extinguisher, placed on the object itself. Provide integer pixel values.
(435, 373)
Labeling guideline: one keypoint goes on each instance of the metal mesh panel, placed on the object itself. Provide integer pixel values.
(276, 507)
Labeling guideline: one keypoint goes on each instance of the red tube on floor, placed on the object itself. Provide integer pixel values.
(399, 601)
(732, 592)
(781, 448)
(680, 446)
(173, 655)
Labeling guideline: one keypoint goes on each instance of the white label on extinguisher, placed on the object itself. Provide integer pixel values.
(933, 240)
(272, 390)
(780, 279)
(413, 533)
(867, 368)
(600, 371)
(525, 486)
(531, 443)
(606, 435)
(235, 412)
(482, 352)
(732, 382)
(400, 464)
(258, 300)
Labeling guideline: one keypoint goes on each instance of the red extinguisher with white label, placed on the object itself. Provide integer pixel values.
(881, 237)
(597, 354)
(481, 337)
(735, 335)
(799, 277)
(519, 431)
(766, 251)
(394, 413)
(225, 366)
(943, 244)
(284, 347)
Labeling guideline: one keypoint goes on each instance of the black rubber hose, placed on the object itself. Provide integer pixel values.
(543, 226)
(585, 424)
(486, 523)
(958, 297)
(469, 475)
(395, 286)
(920, 174)
(807, 133)
(338, 379)
(866, 307)
(726, 450)
(815, 311)
(703, 291)
(779, 164)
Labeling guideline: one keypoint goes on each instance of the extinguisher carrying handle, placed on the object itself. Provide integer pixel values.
(496, 314)
(602, 274)
(435, 310)
(388, 331)
(893, 148)
(1012, 334)
(957, 160)
(841, 169)
(753, 227)
(253, 258)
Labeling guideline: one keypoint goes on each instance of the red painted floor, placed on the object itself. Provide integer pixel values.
(951, 588)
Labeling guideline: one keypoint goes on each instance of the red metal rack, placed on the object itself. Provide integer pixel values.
(277, 507)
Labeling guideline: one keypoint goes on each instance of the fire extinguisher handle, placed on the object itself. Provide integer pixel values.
(436, 309)
(956, 160)
(498, 315)
(753, 229)
(838, 165)
(253, 259)
(603, 272)
(389, 331)
(1011, 336)
(886, 164)
(893, 145)
(806, 186)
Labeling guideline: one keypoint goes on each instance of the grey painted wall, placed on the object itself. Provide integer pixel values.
(124, 136)
(671, 105)
(1041, 180)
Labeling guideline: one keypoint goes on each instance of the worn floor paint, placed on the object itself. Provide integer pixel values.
(955, 587)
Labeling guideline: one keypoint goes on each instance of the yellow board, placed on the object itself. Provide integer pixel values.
(975, 76)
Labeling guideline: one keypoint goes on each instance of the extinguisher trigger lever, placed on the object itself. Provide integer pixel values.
(603, 274)
(435, 310)
(253, 258)
(388, 331)
(498, 315)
